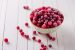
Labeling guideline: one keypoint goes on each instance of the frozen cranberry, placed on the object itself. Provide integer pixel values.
(39, 41)
(50, 45)
(44, 26)
(22, 33)
(6, 40)
(18, 27)
(34, 38)
(34, 32)
(34, 22)
(58, 22)
(20, 30)
(42, 45)
(27, 36)
(55, 24)
(49, 23)
(26, 7)
(26, 24)
(53, 38)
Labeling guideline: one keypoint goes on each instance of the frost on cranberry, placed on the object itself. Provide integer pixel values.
(46, 17)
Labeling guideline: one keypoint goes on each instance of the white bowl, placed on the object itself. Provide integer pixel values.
(44, 31)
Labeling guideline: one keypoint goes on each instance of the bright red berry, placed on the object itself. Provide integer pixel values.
(34, 38)
(22, 33)
(39, 41)
(6, 40)
(20, 30)
(18, 27)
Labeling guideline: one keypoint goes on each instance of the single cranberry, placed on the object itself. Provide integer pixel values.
(44, 26)
(45, 16)
(34, 32)
(26, 24)
(49, 36)
(49, 23)
(20, 30)
(53, 38)
(26, 7)
(6, 40)
(34, 22)
(50, 45)
(22, 33)
(39, 41)
(18, 27)
(42, 45)
(27, 36)
(34, 38)
(58, 22)
(54, 24)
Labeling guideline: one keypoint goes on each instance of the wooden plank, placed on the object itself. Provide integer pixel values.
(10, 31)
(67, 31)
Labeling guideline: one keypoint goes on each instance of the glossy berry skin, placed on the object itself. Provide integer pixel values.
(34, 38)
(6, 40)
(39, 40)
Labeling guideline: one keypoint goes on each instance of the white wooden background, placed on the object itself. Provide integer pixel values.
(13, 14)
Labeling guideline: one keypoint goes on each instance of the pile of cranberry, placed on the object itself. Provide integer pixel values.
(46, 17)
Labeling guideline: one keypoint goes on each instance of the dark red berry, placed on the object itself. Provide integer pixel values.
(26, 7)
(34, 38)
(34, 32)
(26, 24)
(6, 40)
(53, 38)
(22, 33)
(18, 27)
(39, 41)
(20, 30)
(42, 45)
(27, 36)
(49, 36)
(50, 45)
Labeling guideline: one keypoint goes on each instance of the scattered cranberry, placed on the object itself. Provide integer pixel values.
(20, 30)
(53, 38)
(22, 33)
(50, 45)
(39, 41)
(27, 36)
(34, 32)
(26, 24)
(26, 7)
(34, 38)
(42, 45)
(18, 27)
(49, 36)
(6, 40)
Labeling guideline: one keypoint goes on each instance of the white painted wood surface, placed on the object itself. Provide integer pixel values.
(13, 14)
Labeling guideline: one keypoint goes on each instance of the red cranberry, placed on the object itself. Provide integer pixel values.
(34, 38)
(50, 45)
(26, 7)
(58, 22)
(53, 38)
(39, 41)
(45, 16)
(6, 40)
(20, 30)
(42, 45)
(26, 24)
(27, 36)
(43, 26)
(22, 33)
(50, 37)
(18, 27)
(55, 24)
(34, 22)
(49, 23)
(34, 32)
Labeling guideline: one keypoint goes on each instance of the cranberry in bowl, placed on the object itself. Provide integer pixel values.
(46, 19)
